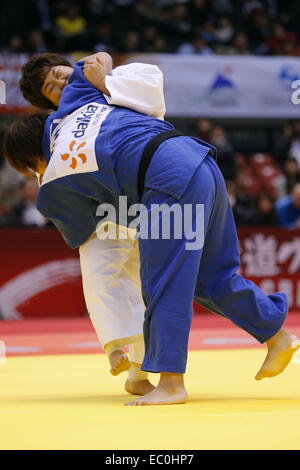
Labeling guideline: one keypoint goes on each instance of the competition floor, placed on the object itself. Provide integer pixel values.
(56, 393)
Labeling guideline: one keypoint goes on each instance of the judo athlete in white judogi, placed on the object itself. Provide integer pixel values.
(111, 267)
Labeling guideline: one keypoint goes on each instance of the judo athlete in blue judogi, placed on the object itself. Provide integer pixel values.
(110, 268)
(92, 154)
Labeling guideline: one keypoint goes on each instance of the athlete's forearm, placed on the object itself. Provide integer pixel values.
(96, 67)
(103, 57)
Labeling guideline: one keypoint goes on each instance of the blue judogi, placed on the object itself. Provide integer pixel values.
(94, 151)
(171, 276)
(118, 148)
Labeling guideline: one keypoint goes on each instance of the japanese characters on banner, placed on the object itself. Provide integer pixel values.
(271, 258)
(40, 274)
(228, 86)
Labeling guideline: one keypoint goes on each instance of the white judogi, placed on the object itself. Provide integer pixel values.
(110, 268)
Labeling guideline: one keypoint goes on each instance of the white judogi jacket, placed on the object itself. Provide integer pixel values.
(138, 87)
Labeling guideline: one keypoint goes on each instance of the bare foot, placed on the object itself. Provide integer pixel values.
(170, 391)
(281, 349)
(160, 396)
(119, 362)
(138, 387)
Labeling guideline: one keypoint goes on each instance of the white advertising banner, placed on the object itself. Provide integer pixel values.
(11, 98)
(229, 86)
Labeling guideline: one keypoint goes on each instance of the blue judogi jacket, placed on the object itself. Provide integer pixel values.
(93, 152)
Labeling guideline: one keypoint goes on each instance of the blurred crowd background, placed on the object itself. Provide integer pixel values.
(264, 27)
(260, 163)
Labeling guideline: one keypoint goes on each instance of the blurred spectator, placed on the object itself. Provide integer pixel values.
(225, 152)
(223, 6)
(288, 209)
(224, 30)
(285, 20)
(71, 23)
(203, 129)
(147, 10)
(4, 216)
(36, 42)
(252, 6)
(291, 48)
(243, 204)
(282, 144)
(258, 31)
(25, 212)
(43, 11)
(265, 212)
(207, 32)
(291, 172)
(96, 7)
(70, 28)
(15, 45)
(178, 21)
(131, 42)
(290, 145)
(4, 206)
(196, 46)
(149, 35)
(10, 181)
(238, 46)
(217, 136)
(102, 40)
(159, 45)
(231, 191)
(282, 42)
(123, 3)
(201, 11)
(121, 17)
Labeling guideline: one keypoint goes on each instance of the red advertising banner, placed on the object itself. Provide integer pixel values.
(271, 258)
(40, 275)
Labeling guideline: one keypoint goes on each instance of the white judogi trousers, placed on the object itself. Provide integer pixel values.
(111, 284)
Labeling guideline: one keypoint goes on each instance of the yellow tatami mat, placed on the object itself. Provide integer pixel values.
(72, 402)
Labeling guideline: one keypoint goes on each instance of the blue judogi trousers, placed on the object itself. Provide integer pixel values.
(173, 276)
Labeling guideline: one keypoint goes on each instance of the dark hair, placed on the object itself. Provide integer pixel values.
(23, 142)
(33, 76)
